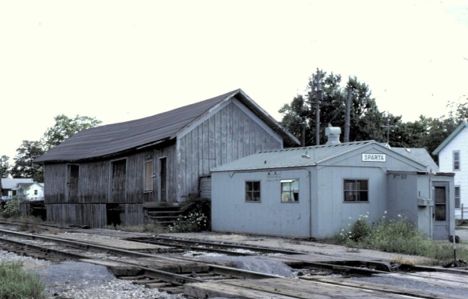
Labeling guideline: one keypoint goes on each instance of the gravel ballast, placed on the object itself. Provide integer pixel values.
(79, 280)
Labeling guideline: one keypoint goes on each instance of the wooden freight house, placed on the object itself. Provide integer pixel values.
(110, 174)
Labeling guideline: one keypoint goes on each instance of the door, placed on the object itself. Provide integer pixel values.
(441, 211)
(163, 179)
(118, 180)
(72, 182)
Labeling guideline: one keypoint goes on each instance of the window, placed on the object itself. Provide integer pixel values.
(289, 190)
(440, 204)
(148, 176)
(456, 160)
(252, 191)
(35, 192)
(356, 190)
(457, 197)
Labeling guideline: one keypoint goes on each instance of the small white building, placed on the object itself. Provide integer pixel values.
(316, 191)
(453, 157)
(22, 188)
(31, 191)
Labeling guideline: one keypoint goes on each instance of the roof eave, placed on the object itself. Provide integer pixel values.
(159, 143)
(287, 136)
(450, 138)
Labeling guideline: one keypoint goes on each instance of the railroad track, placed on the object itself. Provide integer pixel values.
(229, 248)
(189, 270)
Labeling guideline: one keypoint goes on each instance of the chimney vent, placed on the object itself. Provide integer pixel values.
(333, 135)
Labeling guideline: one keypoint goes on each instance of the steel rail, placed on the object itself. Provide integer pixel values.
(179, 279)
(175, 278)
(218, 244)
(88, 245)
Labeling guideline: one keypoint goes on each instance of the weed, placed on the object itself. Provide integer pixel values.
(15, 283)
(396, 235)
(193, 222)
(11, 209)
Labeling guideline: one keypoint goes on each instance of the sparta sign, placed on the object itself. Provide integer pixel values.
(374, 157)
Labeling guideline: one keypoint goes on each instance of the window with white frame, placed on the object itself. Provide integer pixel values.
(356, 190)
(252, 191)
(290, 190)
(456, 160)
(457, 197)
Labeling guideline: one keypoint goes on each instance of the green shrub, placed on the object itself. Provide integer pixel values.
(11, 209)
(360, 230)
(193, 222)
(399, 236)
(15, 283)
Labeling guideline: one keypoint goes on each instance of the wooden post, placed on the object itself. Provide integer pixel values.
(347, 115)
(303, 132)
(318, 88)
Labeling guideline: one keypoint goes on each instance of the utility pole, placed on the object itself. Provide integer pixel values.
(303, 131)
(349, 98)
(388, 127)
(319, 93)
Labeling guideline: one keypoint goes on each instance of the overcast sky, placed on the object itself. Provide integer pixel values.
(121, 60)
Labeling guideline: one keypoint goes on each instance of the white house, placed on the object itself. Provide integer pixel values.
(31, 191)
(316, 191)
(24, 188)
(453, 157)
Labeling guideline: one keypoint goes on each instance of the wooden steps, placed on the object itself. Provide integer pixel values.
(167, 213)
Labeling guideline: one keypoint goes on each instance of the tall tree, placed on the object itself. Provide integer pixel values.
(326, 91)
(25, 156)
(66, 127)
(4, 166)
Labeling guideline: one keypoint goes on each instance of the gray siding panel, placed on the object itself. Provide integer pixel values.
(55, 189)
(226, 136)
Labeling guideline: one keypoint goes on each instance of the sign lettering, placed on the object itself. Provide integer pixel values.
(374, 157)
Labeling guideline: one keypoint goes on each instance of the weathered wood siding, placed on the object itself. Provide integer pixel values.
(94, 189)
(93, 215)
(93, 183)
(170, 153)
(227, 135)
(55, 182)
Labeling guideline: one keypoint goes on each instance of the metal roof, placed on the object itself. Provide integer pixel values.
(447, 140)
(116, 138)
(292, 157)
(12, 184)
(418, 154)
(313, 155)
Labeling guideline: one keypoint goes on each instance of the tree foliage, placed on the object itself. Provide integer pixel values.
(24, 161)
(326, 89)
(367, 122)
(66, 127)
(4, 166)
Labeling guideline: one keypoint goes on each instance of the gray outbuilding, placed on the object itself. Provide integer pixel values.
(316, 191)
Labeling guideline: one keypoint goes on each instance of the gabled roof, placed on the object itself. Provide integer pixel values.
(12, 184)
(116, 138)
(447, 140)
(303, 156)
(418, 154)
(27, 185)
